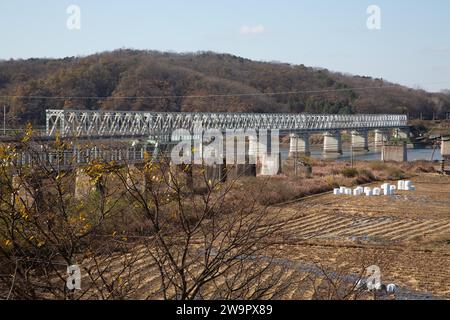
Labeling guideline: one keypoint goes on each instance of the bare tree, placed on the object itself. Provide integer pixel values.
(153, 230)
(205, 241)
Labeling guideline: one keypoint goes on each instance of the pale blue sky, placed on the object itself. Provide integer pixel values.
(412, 47)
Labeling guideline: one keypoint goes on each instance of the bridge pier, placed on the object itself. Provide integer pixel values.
(395, 152)
(253, 150)
(332, 143)
(381, 136)
(360, 140)
(299, 145)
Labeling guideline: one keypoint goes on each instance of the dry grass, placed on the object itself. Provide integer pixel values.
(326, 176)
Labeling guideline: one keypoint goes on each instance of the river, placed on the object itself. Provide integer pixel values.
(428, 154)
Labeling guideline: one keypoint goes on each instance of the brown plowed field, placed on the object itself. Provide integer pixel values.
(411, 230)
(407, 235)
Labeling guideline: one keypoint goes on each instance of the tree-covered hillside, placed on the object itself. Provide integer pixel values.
(149, 80)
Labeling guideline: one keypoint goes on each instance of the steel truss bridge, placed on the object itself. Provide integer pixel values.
(97, 124)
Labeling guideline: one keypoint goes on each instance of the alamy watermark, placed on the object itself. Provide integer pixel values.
(234, 146)
(73, 281)
(373, 283)
(73, 22)
(374, 19)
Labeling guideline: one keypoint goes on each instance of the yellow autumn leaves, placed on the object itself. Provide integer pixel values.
(8, 243)
(80, 224)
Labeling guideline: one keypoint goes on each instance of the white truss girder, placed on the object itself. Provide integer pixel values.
(84, 123)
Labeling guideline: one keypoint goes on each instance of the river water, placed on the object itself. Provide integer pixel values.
(428, 154)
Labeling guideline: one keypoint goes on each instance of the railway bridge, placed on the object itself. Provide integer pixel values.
(126, 135)
(159, 126)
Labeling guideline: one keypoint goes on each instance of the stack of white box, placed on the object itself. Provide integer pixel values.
(358, 191)
(406, 185)
(386, 188)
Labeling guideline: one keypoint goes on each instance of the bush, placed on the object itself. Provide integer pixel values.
(350, 172)
(395, 174)
(378, 166)
(418, 167)
(275, 191)
(331, 181)
(335, 172)
(368, 174)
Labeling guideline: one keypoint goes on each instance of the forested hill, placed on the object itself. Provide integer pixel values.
(175, 81)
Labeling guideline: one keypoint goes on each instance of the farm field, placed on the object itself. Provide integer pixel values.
(408, 234)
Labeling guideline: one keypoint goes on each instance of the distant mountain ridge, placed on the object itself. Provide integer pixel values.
(204, 81)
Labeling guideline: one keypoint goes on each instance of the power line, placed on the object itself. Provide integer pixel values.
(255, 94)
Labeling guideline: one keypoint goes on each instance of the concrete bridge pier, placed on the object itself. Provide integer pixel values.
(253, 150)
(396, 152)
(360, 140)
(299, 145)
(381, 137)
(332, 143)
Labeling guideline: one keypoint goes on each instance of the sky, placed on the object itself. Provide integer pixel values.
(410, 47)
